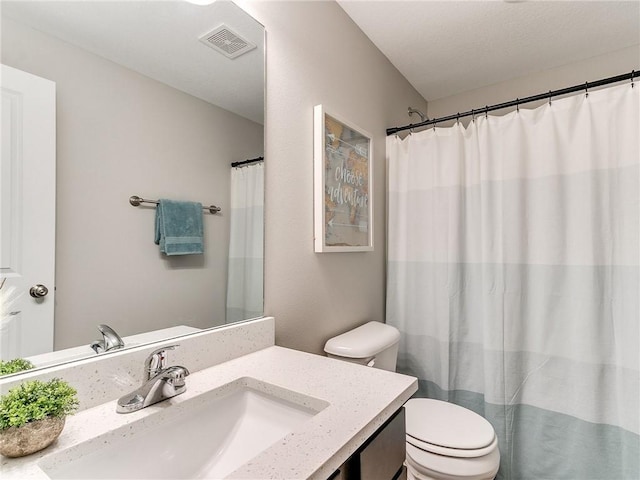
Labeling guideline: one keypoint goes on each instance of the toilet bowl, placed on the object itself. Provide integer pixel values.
(444, 441)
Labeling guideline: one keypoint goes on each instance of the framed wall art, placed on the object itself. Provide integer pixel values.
(343, 185)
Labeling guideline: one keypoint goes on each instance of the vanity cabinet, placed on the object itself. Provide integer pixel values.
(380, 457)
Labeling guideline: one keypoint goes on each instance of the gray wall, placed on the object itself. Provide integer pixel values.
(595, 68)
(121, 134)
(317, 55)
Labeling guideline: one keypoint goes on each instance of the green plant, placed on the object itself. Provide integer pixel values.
(35, 400)
(15, 365)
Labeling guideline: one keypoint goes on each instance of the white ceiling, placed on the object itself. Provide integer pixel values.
(447, 47)
(159, 39)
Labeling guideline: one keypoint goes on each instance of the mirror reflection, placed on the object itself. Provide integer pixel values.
(102, 101)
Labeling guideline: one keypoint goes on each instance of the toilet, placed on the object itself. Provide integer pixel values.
(444, 441)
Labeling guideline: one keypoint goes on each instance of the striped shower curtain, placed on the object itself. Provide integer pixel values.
(513, 276)
(246, 257)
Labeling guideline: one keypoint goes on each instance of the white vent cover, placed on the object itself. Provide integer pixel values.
(227, 42)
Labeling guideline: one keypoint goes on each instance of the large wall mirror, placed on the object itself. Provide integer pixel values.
(155, 99)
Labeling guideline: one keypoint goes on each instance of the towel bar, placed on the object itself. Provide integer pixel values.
(136, 201)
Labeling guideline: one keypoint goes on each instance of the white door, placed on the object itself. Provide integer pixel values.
(27, 213)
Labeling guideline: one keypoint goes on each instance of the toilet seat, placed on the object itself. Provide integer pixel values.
(452, 452)
(448, 429)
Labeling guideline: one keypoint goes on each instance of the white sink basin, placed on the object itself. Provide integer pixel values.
(208, 436)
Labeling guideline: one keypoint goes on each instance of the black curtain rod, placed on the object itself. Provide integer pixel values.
(519, 101)
(244, 162)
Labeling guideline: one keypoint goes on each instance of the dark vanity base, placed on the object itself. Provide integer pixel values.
(380, 457)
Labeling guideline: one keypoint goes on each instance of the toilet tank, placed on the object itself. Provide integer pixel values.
(374, 344)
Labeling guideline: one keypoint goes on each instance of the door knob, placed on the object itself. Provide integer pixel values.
(38, 291)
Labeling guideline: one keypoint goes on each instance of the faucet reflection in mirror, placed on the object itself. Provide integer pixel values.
(110, 340)
(151, 122)
(159, 382)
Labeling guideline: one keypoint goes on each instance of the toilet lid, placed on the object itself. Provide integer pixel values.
(447, 425)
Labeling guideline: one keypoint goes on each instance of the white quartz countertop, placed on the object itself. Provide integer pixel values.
(360, 400)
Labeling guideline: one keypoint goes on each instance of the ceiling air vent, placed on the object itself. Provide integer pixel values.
(227, 42)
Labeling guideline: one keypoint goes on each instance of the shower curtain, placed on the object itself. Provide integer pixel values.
(244, 280)
(513, 276)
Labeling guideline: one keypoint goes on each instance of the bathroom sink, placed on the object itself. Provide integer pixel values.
(207, 436)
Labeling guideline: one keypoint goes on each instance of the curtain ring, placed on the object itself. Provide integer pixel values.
(632, 75)
(517, 105)
(586, 89)
(549, 97)
(458, 117)
(473, 116)
(486, 111)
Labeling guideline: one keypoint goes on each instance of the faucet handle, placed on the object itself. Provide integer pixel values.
(156, 361)
(176, 375)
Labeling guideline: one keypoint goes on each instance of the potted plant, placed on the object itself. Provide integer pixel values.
(14, 366)
(32, 415)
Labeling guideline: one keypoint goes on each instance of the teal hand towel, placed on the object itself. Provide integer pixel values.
(179, 227)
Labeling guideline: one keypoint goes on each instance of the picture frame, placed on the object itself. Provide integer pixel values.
(343, 185)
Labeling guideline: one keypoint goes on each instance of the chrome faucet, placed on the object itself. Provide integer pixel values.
(110, 340)
(160, 382)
